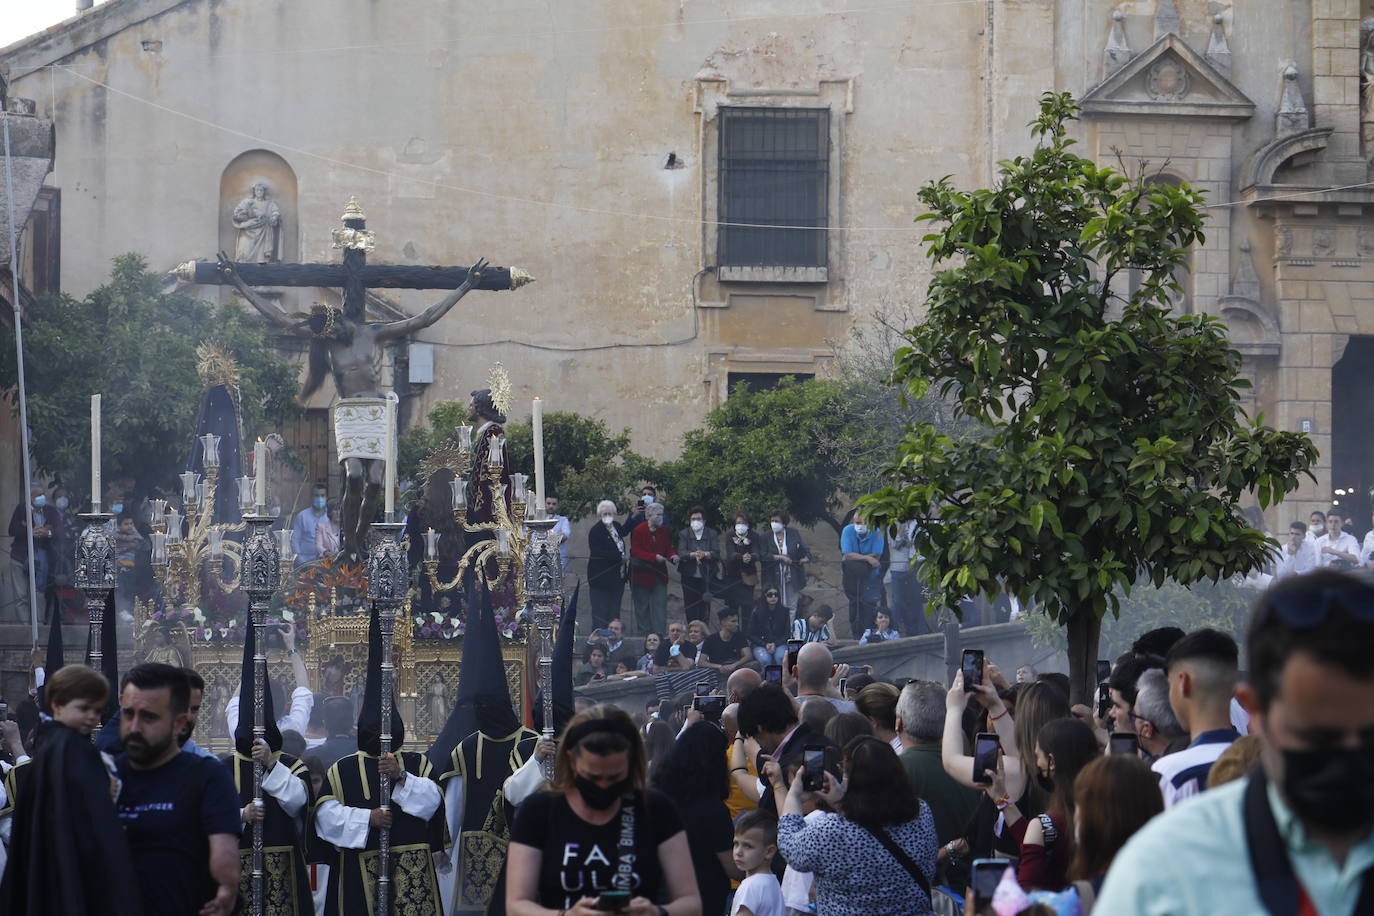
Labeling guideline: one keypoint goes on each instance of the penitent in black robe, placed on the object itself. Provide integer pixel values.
(353, 782)
(286, 879)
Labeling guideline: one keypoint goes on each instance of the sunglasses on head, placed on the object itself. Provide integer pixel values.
(1306, 609)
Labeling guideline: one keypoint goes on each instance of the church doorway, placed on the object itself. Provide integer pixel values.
(1352, 431)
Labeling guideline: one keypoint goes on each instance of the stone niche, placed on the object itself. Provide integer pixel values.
(236, 185)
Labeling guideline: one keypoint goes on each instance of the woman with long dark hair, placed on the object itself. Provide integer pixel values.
(567, 842)
(693, 775)
(877, 855)
(1062, 748)
(769, 627)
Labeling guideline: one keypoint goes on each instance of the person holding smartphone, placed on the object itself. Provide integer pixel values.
(876, 855)
(566, 841)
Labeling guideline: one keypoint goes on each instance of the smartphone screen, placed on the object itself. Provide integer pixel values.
(793, 647)
(972, 667)
(843, 682)
(613, 901)
(813, 768)
(1104, 670)
(704, 688)
(1104, 701)
(772, 673)
(710, 707)
(985, 748)
(985, 876)
(1124, 743)
(4, 712)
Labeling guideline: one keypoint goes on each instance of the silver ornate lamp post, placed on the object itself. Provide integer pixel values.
(543, 586)
(95, 575)
(388, 577)
(261, 574)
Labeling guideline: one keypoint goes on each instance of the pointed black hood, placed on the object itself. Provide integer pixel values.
(483, 700)
(54, 661)
(243, 732)
(563, 651)
(370, 716)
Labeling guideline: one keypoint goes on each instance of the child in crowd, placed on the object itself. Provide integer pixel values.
(881, 630)
(128, 543)
(77, 695)
(756, 843)
(816, 626)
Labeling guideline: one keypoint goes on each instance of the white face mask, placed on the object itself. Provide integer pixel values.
(648, 500)
(608, 519)
(698, 525)
(861, 529)
(777, 526)
(741, 529)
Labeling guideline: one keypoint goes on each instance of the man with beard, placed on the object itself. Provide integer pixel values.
(197, 685)
(1295, 837)
(180, 811)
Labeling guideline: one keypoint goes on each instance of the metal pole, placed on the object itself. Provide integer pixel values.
(388, 575)
(544, 585)
(95, 576)
(260, 575)
(19, 359)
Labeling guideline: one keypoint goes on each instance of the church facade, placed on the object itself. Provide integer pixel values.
(601, 145)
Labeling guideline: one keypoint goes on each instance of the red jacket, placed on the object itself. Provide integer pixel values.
(645, 546)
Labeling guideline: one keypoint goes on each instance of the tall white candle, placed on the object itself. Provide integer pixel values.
(538, 423)
(95, 453)
(260, 472)
(391, 401)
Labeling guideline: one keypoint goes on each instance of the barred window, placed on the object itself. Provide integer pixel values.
(774, 172)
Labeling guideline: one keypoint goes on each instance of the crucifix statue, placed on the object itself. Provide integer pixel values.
(344, 344)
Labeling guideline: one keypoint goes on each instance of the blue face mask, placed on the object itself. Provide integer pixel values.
(40, 500)
(116, 508)
(319, 502)
(648, 500)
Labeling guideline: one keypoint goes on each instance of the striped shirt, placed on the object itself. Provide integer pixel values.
(1184, 774)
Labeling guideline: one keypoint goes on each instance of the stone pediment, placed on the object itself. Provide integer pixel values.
(1168, 79)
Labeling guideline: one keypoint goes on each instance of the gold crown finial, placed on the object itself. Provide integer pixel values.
(216, 365)
(354, 210)
(498, 382)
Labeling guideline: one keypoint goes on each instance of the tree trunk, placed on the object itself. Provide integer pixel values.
(1084, 631)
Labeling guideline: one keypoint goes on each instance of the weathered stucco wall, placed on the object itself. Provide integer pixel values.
(536, 134)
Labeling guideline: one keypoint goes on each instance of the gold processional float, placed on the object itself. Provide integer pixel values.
(198, 563)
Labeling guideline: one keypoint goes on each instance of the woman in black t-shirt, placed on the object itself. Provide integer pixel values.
(598, 831)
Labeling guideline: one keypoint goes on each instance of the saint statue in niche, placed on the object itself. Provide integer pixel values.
(257, 220)
(437, 701)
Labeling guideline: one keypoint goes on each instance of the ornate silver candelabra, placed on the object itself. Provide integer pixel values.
(95, 575)
(544, 586)
(260, 574)
(388, 577)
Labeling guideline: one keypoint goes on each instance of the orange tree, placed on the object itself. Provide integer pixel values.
(1113, 447)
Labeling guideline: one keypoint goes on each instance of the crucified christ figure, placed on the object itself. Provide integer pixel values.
(348, 347)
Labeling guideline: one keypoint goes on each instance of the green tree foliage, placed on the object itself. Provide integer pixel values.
(783, 447)
(137, 347)
(1116, 448)
(584, 461)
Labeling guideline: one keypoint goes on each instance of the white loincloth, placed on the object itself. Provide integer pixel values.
(360, 428)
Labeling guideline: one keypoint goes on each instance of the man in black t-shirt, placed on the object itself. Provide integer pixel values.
(728, 649)
(179, 811)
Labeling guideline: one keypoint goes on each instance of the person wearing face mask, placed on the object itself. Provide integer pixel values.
(566, 844)
(699, 549)
(740, 569)
(1297, 835)
(608, 552)
(784, 557)
(303, 540)
(44, 522)
(62, 595)
(862, 554)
